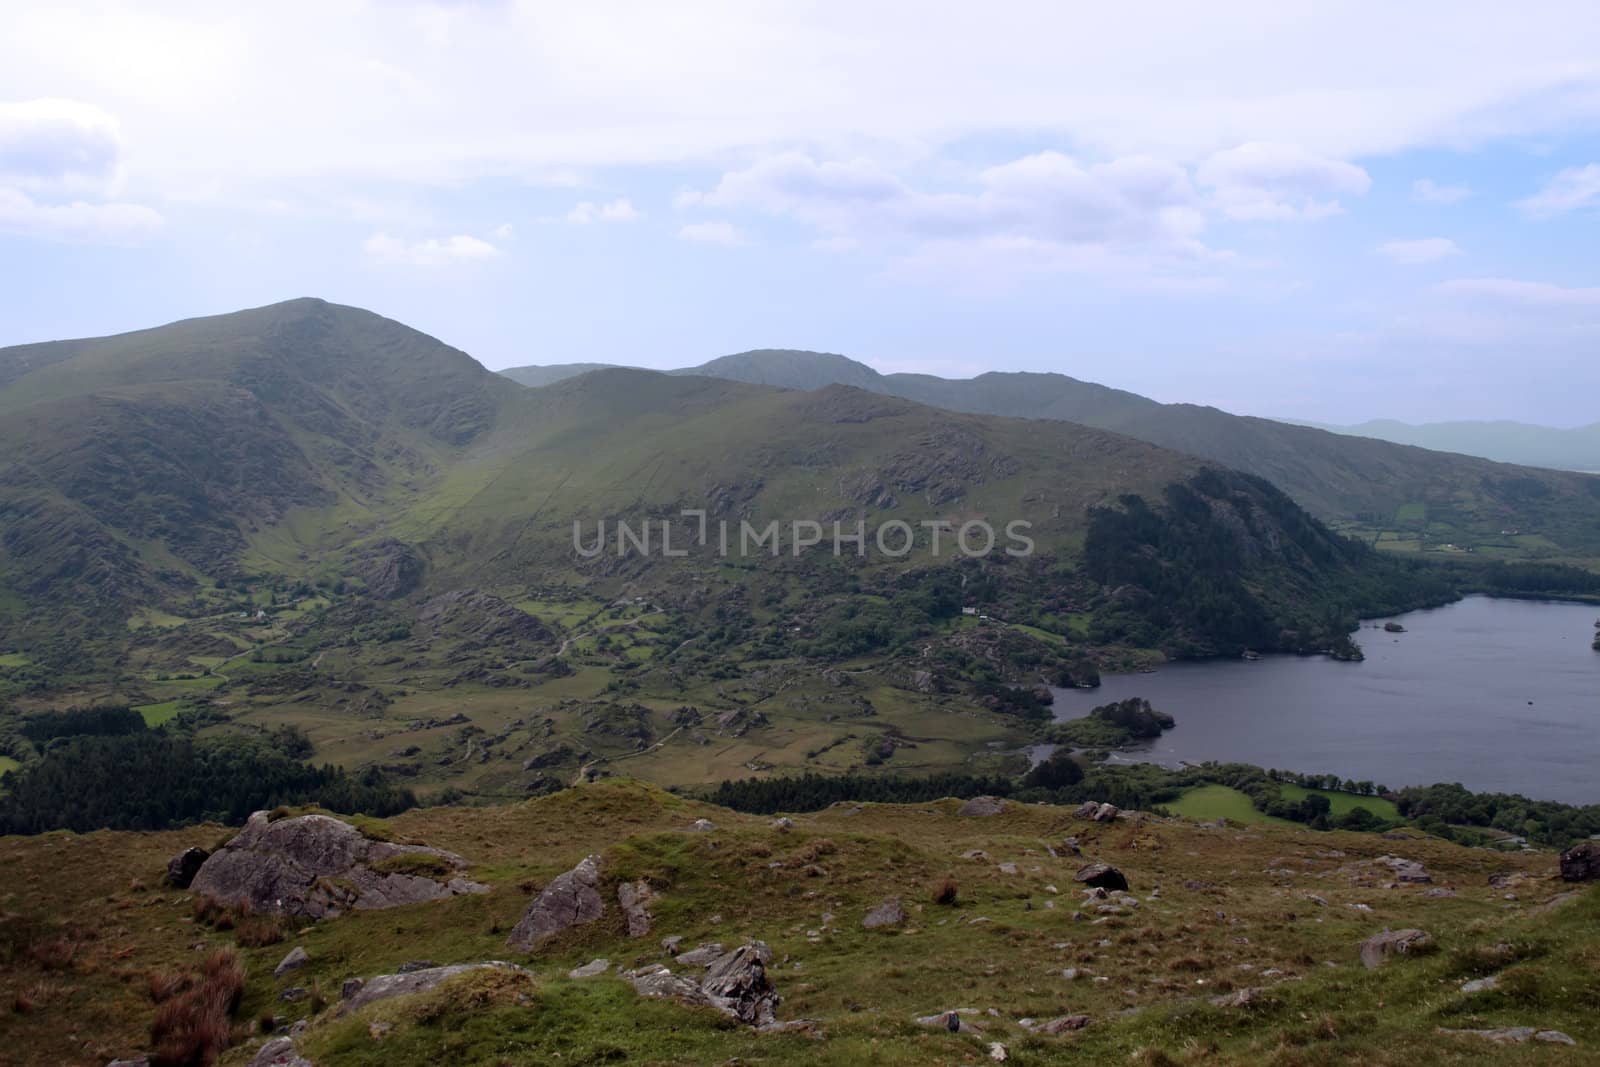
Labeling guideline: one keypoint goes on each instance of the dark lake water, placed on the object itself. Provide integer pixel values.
(1499, 695)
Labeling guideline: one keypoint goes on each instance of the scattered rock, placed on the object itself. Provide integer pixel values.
(671, 943)
(1101, 876)
(702, 956)
(1241, 998)
(378, 1029)
(956, 1020)
(702, 826)
(294, 993)
(316, 866)
(182, 868)
(976, 855)
(782, 824)
(415, 965)
(296, 959)
(590, 969)
(1086, 810)
(1378, 948)
(1439, 892)
(279, 1052)
(351, 987)
(385, 986)
(635, 899)
(569, 900)
(1481, 985)
(1407, 871)
(1062, 1024)
(982, 807)
(889, 913)
(1107, 813)
(1581, 863)
(660, 982)
(1512, 1035)
(1008, 868)
(997, 1052)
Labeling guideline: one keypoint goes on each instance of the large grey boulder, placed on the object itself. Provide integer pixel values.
(296, 959)
(982, 807)
(386, 986)
(182, 868)
(1379, 947)
(1581, 863)
(1102, 876)
(315, 866)
(570, 899)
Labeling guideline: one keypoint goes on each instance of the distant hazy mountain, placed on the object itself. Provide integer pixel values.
(1508, 442)
(1339, 477)
(556, 372)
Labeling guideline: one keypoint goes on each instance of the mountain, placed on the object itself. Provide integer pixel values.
(1377, 489)
(536, 376)
(165, 470)
(1576, 449)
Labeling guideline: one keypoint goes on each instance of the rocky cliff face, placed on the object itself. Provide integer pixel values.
(316, 866)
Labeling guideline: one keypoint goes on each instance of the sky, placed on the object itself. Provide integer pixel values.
(1324, 211)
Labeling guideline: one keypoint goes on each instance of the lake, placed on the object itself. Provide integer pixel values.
(1499, 695)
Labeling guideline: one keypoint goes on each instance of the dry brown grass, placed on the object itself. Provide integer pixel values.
(194, 1027)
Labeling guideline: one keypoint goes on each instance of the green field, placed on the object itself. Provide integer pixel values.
(12, 660)
(156, 714)
(1344, 803)
(1220, 802)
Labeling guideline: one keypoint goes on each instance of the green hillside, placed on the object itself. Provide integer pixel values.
(1400, 497)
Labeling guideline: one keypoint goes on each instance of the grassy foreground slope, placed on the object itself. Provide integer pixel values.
(1281, 911)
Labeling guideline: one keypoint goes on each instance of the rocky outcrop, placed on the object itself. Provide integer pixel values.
(570, 899)
(315, 866)
(1061, 1024)
(386, 986)
(982, 807)
(889, 913)
(635, 898)
(182, 868)
(1380, 947)
(481, 618)
(1581, 863)
(736, 984)
(1102, 876)
(591, 969)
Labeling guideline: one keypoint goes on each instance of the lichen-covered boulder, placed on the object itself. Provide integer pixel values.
(316, 866)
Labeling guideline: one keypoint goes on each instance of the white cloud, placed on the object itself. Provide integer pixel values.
(1511, 293)
(1047, 199)
(433, 252)
(1427, 191)
(619, 210)
(717, 233)
(504, 231)
(1422, 250)
(77, 220)
(1572, 189)
(58, 146)
(1275, 182)
(451, 90)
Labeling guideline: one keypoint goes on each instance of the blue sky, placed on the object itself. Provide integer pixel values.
(1329, 212)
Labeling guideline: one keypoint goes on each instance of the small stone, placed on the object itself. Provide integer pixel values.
(378, 1029)
(296, 959)
(1101, 876)
(1063, 1024)
(702, 826)
(982, 807)
(1378, 948)
(1481, 985)
(889, 913)
(294, 993)
(997, 1052)
(351, 987)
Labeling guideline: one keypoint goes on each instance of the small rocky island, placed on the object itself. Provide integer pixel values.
(1393, 628)
(1112, 726)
